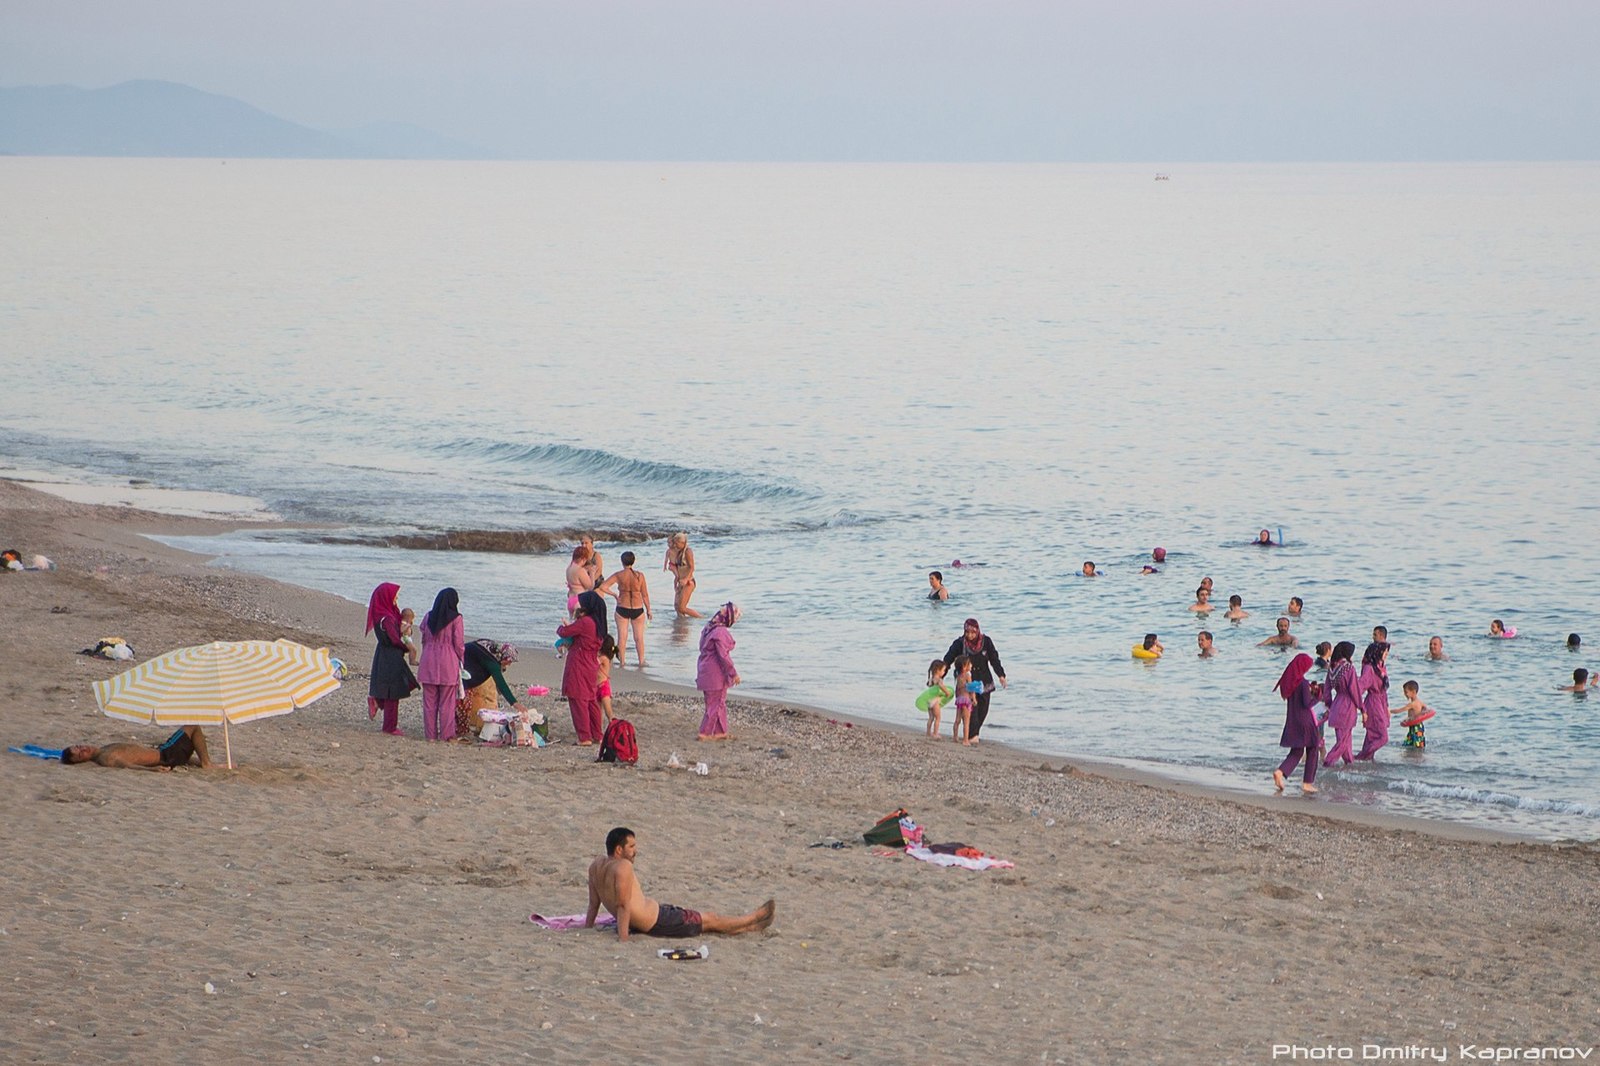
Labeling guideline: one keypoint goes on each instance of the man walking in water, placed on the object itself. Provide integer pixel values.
(612, 883)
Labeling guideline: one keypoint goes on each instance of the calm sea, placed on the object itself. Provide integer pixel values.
(836, 378)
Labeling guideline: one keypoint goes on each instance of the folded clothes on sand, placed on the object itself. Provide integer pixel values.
(570, 921)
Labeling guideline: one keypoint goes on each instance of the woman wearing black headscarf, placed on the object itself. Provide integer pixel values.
(1374, 699)
(580, 681)
(443, 647)
(985, 669)
(1341, 691)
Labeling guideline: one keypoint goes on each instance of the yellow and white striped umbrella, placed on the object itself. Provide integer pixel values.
(219, 683)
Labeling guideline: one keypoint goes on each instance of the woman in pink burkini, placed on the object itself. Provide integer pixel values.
(1341, 691)
(443, 648)
(716, 673)
(580, 680)
(1374, 699)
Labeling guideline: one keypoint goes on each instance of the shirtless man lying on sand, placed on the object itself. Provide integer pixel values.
(177, 750)
(612, 882)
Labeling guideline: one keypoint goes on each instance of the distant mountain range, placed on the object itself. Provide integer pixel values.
(162, 118)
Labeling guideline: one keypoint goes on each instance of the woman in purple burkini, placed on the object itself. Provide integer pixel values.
(715, 672)
(1374, 699)
(1341, 691)
(580, 681)
(1302, 733)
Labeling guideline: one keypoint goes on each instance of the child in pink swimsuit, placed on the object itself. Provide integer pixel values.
(608, 652)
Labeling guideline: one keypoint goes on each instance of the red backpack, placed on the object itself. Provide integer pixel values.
(619, 744)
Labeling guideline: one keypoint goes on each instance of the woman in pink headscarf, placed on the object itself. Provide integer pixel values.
(391, 679)
(715, 672)
(1302, 734)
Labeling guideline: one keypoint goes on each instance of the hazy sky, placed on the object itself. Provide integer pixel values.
(1114, 80)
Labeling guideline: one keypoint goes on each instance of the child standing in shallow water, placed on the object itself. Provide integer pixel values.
(961, 728)
(933, 697)
(1416, 713)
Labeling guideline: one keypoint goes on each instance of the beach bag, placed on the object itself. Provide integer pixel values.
(619, 744)
(887, 831)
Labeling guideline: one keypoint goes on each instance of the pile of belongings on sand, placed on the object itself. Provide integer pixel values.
(110, 648)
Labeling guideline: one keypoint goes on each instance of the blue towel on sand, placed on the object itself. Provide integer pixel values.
(38, 752)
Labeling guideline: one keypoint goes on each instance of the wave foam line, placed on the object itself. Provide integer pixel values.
(1494, 799)
(591, 463)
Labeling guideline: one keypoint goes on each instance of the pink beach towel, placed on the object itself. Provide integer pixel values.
(570, 921)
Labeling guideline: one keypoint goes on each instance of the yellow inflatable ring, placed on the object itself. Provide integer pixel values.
(1139, 652)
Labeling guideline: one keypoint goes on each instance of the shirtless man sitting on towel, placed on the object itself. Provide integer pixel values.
(177, 750)
(612, 882)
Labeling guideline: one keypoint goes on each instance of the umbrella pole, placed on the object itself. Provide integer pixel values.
(227, 742)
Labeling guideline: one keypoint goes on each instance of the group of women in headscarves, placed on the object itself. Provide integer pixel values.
(459, 678)
(451, 673)
(1350, 694)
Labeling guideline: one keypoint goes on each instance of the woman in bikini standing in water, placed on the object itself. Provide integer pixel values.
(633, 606)
(680, 560)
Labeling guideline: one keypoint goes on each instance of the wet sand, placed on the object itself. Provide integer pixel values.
(353, 897)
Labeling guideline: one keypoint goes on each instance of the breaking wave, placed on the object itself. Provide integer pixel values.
(591, 464)
(1494, 799)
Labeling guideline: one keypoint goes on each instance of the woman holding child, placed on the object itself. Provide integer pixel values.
(391, 679)
(580, 679)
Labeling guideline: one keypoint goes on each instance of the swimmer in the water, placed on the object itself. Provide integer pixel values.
(1574, 642)
(1323, 651)
(1282, 638)
(1207, 649)
(1236, 611)
(936, 589)
(1089, 570)
(1159, 555)
(1153, 645)
(1207, 584)
(1264, 539)
(1296, 605)
(1202, 601)
(1148, 569)
(1581, 681)
(1498, 628)
(1380, 634)
(1436, 650)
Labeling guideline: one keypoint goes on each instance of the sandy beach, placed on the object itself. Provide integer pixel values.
(345, 896)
